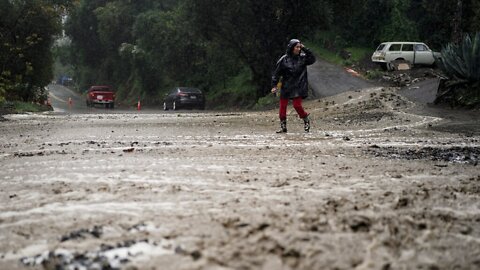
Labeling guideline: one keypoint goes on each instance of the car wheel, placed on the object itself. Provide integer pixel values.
(390, 67)
(174, 106)
(165, 108)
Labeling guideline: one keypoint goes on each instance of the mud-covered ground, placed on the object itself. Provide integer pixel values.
(379, 183)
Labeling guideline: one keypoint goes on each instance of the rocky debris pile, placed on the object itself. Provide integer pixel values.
(401, 78)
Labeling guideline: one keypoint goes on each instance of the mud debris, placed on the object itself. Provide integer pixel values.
(104, 257)
(468, 155)
(349, 195)
(408, 77)
(96, 232)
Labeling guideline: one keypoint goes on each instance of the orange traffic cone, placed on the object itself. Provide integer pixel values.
(139, 107)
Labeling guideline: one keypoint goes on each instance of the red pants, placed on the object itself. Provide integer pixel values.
(297, 104)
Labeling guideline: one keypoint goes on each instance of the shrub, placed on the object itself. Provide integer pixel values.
(374, 74)
(267, 102)
(461, 65)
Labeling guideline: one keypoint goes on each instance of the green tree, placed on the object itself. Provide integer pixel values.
(472, 14)
(436, 19)
(87, 50)
(257, 31)
(27, 29)
(104, 45)
(143, 47)
(399, 27)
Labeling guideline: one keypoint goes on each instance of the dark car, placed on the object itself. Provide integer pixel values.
(183, 98)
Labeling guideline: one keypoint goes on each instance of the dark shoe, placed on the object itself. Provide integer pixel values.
(306, 122)
(283, 126)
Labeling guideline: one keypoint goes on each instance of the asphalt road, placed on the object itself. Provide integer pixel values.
(324, 78)
(327, 79)
(60, 97)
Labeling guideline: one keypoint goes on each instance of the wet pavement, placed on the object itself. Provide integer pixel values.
(379, 183)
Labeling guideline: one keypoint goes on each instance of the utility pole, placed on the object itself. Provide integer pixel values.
(457, 21)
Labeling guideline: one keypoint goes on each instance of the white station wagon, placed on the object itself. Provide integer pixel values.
(416, 53)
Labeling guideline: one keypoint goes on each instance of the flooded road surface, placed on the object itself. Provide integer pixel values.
(375, 185)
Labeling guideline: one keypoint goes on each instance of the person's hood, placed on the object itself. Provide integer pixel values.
(292, 44)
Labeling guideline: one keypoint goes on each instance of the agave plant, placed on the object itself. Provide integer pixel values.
(461, 64)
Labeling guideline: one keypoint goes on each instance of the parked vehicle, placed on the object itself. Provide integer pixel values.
(100, 94)
(416, 53)
(65, 80)
(184, 97)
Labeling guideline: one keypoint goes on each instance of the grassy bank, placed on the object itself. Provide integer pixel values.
(236, 93)
(22, 107)
(357, 54)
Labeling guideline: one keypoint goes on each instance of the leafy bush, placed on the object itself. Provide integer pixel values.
(9, 107)
(374, 74)
(236, 93)
(267, 102)
(26, 36)
(356, 54)
(21, 107)
(461, 64)
(463, 61)
(325, 54)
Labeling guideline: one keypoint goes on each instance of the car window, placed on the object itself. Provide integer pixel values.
(100, 89)
(177, 90)
(420, 47)
(191, 90)
(380, 48)
(407, 48)
(395, 47)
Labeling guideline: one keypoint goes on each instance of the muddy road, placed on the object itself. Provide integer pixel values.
(379, 183)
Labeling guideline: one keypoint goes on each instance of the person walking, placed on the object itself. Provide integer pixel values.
(291, 71)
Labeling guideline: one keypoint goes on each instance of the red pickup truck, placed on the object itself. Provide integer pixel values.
(101, 94)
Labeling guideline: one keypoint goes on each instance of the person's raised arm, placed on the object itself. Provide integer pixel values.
(309, 57)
